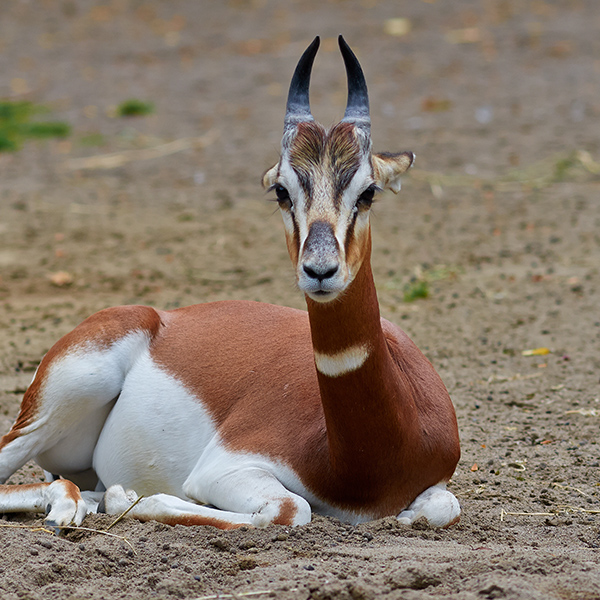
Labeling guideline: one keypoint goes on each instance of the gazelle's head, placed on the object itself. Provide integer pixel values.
(325, 182)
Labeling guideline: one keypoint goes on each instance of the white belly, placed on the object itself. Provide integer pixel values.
(154, 435)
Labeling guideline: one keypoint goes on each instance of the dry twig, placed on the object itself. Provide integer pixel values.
(30, 527)
(568, 487)
(118, 159)
(36, 528)
(524, 514)
(101, 531)
(563, 508)
(75, 528)
(122, 514)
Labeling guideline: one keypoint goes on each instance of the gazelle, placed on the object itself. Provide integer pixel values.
(234, 413)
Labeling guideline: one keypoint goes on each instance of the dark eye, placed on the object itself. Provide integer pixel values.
(283, 195)
(366, 198)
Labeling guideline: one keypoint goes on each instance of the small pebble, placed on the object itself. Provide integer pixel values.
(220, 543)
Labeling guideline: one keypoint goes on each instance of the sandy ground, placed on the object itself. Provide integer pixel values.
(500, 101)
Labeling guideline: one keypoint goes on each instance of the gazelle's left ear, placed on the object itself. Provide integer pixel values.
(388, 167)
(270, 176)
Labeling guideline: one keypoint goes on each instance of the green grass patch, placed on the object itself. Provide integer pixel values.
(563, 166)
(92, 139)
(17, 125)
(134, 108)
(416, 290)
(418, 286)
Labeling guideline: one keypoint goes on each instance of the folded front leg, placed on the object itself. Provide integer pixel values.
(436, 504)
(169, 509)
(248, 496)
(247, 484)
(61, 500)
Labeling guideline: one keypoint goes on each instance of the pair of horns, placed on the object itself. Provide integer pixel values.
(298, 104)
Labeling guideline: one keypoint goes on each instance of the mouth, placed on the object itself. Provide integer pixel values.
(322, 291)
(322, 296)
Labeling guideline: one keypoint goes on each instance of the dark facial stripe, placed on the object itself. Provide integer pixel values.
(296, 235)
(306, 154)
(350, 233)
(343, 154)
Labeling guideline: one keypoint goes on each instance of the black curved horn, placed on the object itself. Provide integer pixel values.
(298, 104)
(357, 108)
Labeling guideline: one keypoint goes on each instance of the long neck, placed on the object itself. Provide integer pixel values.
(367, 403)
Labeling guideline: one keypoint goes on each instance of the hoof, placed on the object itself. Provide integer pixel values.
(116, 500)
(436, 505)
(53, 526)
(64, 505)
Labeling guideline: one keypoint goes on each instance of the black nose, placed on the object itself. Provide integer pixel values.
(321, 272)
(320, 259)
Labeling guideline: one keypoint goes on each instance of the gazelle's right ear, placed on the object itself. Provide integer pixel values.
(387, 168)
(270, 177)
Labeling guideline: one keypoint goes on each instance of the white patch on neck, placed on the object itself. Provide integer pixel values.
(346, 361)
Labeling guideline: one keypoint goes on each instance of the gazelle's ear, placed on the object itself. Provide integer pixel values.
(270, 176)
(387, 168)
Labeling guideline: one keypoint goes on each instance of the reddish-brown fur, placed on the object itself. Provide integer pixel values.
(72, 491)
(17, 489)
(195, 520)
(287, 513)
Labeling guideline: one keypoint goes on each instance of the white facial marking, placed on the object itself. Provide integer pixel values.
(346, 361)
(289, 180)
(360, 181)
(322, 206)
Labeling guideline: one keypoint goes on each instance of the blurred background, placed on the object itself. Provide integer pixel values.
(473, 86)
